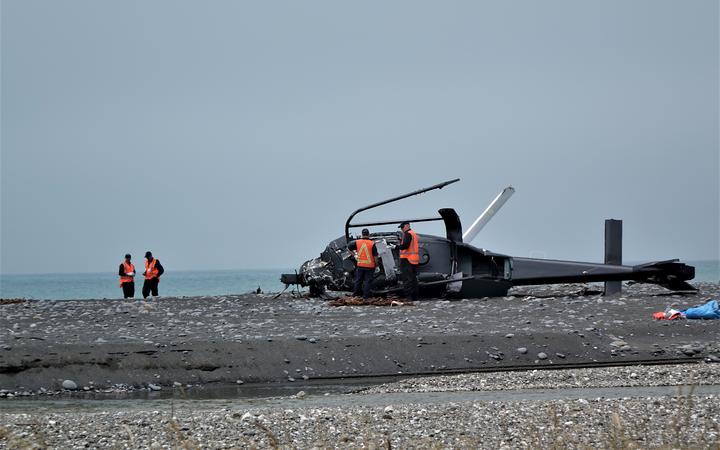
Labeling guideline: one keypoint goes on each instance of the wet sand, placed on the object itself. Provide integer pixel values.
(121, 345)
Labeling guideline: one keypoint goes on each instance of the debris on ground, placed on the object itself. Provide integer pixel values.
(372, 301)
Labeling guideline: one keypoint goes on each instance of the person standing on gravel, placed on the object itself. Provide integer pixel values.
(409, 259)
(153, 271)
(127, 277)
(366, 262)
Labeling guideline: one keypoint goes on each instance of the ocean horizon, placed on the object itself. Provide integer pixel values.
(187, 283)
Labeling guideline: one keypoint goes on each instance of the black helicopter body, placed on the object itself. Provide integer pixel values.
(452, 268)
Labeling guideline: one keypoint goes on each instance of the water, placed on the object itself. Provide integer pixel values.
(324, 396)
(172, 284)
(186, 283)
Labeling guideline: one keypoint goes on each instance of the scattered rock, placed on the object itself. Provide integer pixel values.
(69, 385)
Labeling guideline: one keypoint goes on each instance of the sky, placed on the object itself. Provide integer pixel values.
(241, 135)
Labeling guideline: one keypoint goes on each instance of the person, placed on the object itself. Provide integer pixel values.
(153, 271)
(409, 259)
(366, 263)
(127, 277)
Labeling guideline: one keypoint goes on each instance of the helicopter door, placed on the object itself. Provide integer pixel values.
(386, 256)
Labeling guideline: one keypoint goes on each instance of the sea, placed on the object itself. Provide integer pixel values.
(82, 286)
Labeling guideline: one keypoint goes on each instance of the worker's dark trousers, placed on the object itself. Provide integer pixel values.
(410, 282)
(128, 289)
(150, 285)
(363, 277)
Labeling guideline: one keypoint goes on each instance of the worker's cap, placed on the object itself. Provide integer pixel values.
(365, 232)
(403, 224)
(148, 254)
(127, 256)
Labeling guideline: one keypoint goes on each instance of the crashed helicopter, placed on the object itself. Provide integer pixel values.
(451, 267)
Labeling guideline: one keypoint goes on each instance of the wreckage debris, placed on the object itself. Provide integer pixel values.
(450, 267)
(374, 301)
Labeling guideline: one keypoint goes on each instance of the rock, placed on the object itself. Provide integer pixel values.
(560, 355)
(509, 335)
(246, 417)
(154, 387)
(177, 384)
(239, 382)
(300, 394)
(691, 350)
(301, 338)
(619, 343)
(69, 385)
(542, 355)
(522, 350)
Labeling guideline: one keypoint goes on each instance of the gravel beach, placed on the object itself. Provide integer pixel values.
(433, 412)
(65, 364)
(116, 344)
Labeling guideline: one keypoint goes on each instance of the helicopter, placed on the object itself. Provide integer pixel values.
(450, 267)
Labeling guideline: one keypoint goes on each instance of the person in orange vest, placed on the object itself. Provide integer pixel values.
(409, 259)
(366, 263)
(153, 271)
(127, 277)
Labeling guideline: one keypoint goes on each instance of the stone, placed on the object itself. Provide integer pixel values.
(154, 387)
(542, 355)
(522, 350)
(69, 385)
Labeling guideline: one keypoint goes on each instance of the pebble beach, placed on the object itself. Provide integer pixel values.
(504, 372)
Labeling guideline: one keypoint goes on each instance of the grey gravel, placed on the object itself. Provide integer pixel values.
(684, 420)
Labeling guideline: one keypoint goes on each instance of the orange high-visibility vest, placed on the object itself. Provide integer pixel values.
(412, 253)
(127, 268)
(365, 257)
(150, 270)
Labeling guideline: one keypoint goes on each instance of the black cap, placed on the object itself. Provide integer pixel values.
(148, 253)
(365, 232)
(127, 255)
(403, 224)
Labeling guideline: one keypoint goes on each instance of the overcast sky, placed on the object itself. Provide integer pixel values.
(231, 134)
